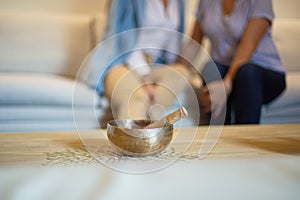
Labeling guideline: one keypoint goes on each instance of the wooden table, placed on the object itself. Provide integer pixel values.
(247, 162)
(51, 148)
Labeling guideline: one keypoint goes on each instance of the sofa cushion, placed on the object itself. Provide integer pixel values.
(98, 26)
(286, 115)
(47, 125)
(286, 34)
(291, 96)
(46, 118)
(39, 42)
(44, 89)
(26, 113)
(286, 108)
(287, 8)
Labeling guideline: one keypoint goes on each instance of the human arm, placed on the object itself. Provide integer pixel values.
(192, 46)
(197, 34)
(138, 63)
(254, 32)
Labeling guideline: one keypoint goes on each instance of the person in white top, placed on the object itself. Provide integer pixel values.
(146, 76)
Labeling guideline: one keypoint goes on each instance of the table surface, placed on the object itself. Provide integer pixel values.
(246, 162)
(71, 147)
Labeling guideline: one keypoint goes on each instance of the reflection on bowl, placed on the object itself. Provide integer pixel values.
(129, 137)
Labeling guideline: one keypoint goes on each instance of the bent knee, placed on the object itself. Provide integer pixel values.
(113, 77)
(182, 70)
(116, 71)
(248, 72)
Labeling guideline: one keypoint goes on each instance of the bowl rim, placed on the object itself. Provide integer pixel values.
(109, 123)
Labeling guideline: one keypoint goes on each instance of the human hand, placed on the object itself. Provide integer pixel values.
(214, 96)
(150, 88)
(204, 100)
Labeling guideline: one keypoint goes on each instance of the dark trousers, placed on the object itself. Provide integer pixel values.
(253, 87)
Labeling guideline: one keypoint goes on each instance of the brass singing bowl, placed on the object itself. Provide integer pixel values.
(131, 138)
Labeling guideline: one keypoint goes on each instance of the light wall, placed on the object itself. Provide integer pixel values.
(283, 8)
(59, 6)
(287, 8)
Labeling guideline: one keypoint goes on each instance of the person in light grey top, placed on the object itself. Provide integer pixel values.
(244, 53)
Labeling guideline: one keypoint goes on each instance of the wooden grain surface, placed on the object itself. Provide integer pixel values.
(42, 148)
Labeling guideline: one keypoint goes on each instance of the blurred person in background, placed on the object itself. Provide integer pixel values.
(244, 53)
(144, 77)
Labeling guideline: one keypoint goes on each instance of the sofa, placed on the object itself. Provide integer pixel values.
(286, 108)
(41, 54)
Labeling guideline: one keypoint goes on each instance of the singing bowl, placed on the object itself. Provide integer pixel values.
(131, 138)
